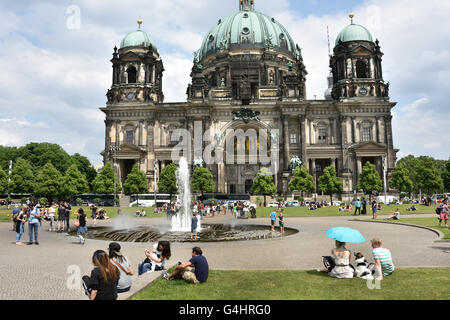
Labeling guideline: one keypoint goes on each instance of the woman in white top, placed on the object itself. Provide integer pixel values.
(341, 257)
(123, 265)
(51, 215)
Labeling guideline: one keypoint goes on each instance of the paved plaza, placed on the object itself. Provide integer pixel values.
(42, 272)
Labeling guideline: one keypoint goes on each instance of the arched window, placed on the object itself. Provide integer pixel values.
(361, 69)
(131, 74)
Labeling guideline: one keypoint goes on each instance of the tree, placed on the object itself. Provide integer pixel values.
(22, 177)
(303, 181)
(446, 176)
(104, 181)
(329, 182)
(39, 154)
(401, 180)
(3, 182)
(428, 176)
(168, 180)
(264, 184)
(48, 182)
(369, 179)
(202, 180)
(74, 182)
(84, 166)
(136, 182)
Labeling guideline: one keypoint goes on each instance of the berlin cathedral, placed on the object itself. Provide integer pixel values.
(249, 64)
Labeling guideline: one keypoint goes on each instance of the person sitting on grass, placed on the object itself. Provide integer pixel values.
(338, 265)
(196, 270)
(412, 208)
(394, 216)
(383, 259)
(156, 258)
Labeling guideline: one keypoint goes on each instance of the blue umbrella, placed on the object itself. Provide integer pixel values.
(343, 234)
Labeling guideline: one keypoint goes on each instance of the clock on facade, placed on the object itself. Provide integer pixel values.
(363, 91)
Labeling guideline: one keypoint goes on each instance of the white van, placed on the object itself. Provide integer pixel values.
(386, 199)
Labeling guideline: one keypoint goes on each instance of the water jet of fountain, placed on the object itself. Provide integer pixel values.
(182, 220)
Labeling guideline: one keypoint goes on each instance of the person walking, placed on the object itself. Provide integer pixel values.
(20, 220)
(124, 266)
(364, 206)
(51, 216)
(94, 213)
(61, 217)
(194, 223)
(374, 208)
(357, 207)
(67, 215)
(14, 213)
(33, 223)
(81, 224)
(443, 215)
(102, 284)
(273, 219)
(281, 221)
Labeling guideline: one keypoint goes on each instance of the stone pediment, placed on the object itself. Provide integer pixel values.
(370, 146)
(130, 55)
(361, 49)
(127, 150)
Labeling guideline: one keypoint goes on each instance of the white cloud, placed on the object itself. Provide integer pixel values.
(58, 77)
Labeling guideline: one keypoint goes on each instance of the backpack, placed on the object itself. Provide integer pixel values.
(438, 210)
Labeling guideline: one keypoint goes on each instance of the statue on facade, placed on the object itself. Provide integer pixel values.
(295, 162)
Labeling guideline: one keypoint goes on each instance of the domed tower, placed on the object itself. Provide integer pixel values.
(356, 65)
(246, 57)
(137, 70)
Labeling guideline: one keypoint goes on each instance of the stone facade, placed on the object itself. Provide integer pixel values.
(352, 127)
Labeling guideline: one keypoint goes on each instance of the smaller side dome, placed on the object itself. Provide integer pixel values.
(137, 38)
(354, 32)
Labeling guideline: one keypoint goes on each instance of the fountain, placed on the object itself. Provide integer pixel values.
(125, 229)
(181, 222)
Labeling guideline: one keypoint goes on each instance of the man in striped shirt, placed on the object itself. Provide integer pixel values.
(383, 259)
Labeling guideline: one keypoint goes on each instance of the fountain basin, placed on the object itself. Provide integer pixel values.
(209, 233)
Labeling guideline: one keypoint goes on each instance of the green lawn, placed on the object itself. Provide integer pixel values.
(261, 212)
(403, 284)
(110, 211)
(426, 222)
(333, 211)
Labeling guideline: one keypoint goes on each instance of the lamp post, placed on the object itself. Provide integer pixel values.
(384, 159)
(154, 179)
(9, 181)
(113, 150)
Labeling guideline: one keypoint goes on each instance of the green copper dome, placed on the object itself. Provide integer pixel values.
(247, 29)
(354, 32)
(137, 38)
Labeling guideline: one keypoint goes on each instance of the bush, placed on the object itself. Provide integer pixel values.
(79, 201)
(259, 201)
(43, 202)
(213, 201)
(280, 199)
(97, 200)
(23, 200)
(406, 202)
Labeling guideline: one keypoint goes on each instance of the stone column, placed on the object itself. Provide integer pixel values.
(314, 173)
(358, 169)
(353, 130)
(302, 137)
(286, 141)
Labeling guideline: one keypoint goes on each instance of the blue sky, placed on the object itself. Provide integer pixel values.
(55, 76)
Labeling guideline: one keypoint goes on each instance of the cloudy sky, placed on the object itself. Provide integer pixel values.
(55, 69)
